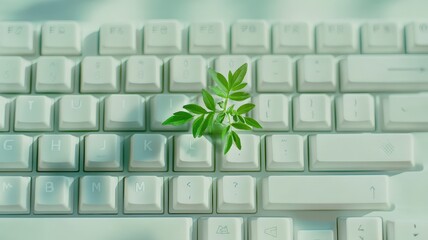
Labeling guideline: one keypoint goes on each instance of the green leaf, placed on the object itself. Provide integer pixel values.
(230, 109)
(239, 75)
(178, 118)
(245, 108)
(230, 78)
(229, 142)
(210, 121)
(239, 86)
(220, 117)
(208, 100)
(220, 104)
(252, 122)
(196, 125)
(241, 126)
(219, 79)
(196, 109)
(236, 139)
(241, 119)
(219, 92)
(239, 96)
(235, 118)
(225, 131)
(205, 125)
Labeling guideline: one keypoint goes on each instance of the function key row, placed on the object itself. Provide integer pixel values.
(247, 37)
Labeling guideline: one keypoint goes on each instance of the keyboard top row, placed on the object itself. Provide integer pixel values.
(247, 37)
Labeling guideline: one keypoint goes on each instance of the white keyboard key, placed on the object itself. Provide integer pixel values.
(285, 153)
(100, 75)
(312, 112)
(221, 228)
(58, 153)
(407, 229)
(384, 73)
(293, 38)
(143, 74)
(34, 113)
(315, 234)
(118, 38)
(208, 38)
(54, 75)
(405, 112)
(4, 114)
(16, 153)
(225, 63)
(78, 113)
(191, 194)
(162, 107)
(337, 38)
(360, 228)
(61, 38)
(382, 37)
(53, 195)
(124, 113)
(357, 152)
(16, 38)
(236, 194)
(417, 37)
(147, 152)
(250, 36)
(317, 74)
(272, 228)
(187, 74)
(246, 159)
(369, 192)
(193, 154)
(103, 152)
(14, 75)
(275, 74)
(143, 194)
(163, 37)
(271, 111)
(14, 195)
(355, 112)
(98, 194)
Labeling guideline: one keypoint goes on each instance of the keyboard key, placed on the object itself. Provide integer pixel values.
(271, 111)
(407, 229)
(103, 152)
(355, 112)
(359, 152)
(337, 38)
(16, 38)
(187, 74)
(163, 37)
(312, 112)
(143, 74)
(14, 75)
(14, 195)
(250, 36)
(317, 74)
(264, 228)
(78, 113)
(98, 194)
(4, 114)
(207, 38)
(16, 153)
(100, 75)
(405, 112)
(118, 38)
(275, 74)
(246, 159)
(293, 38)
(191, 194)
(315, 234)
(382, 37)
(417, 37)
(61, 38)
(226, 63)
(162, 107)
(58, 153)
(384, 73)
(369, 192)
(143, 194)
(33, 113)
(124, 113)
(236, 194)
(148, 152)
(360, 228)
(53, 195)
(193, 154)
(285, 153)
(221, 228)
(54, 75)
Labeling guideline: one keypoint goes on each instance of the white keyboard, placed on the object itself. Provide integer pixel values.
(342, 154)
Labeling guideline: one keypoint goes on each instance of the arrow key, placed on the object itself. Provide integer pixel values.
(360, 228)
(271, 229)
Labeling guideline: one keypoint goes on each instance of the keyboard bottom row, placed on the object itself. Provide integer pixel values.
(213, 228)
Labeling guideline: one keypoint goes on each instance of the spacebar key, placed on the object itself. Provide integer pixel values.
(96, 228)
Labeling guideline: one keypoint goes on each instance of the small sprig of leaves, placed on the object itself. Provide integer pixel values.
(220, 116)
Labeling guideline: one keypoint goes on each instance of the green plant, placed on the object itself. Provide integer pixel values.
(220, 117)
